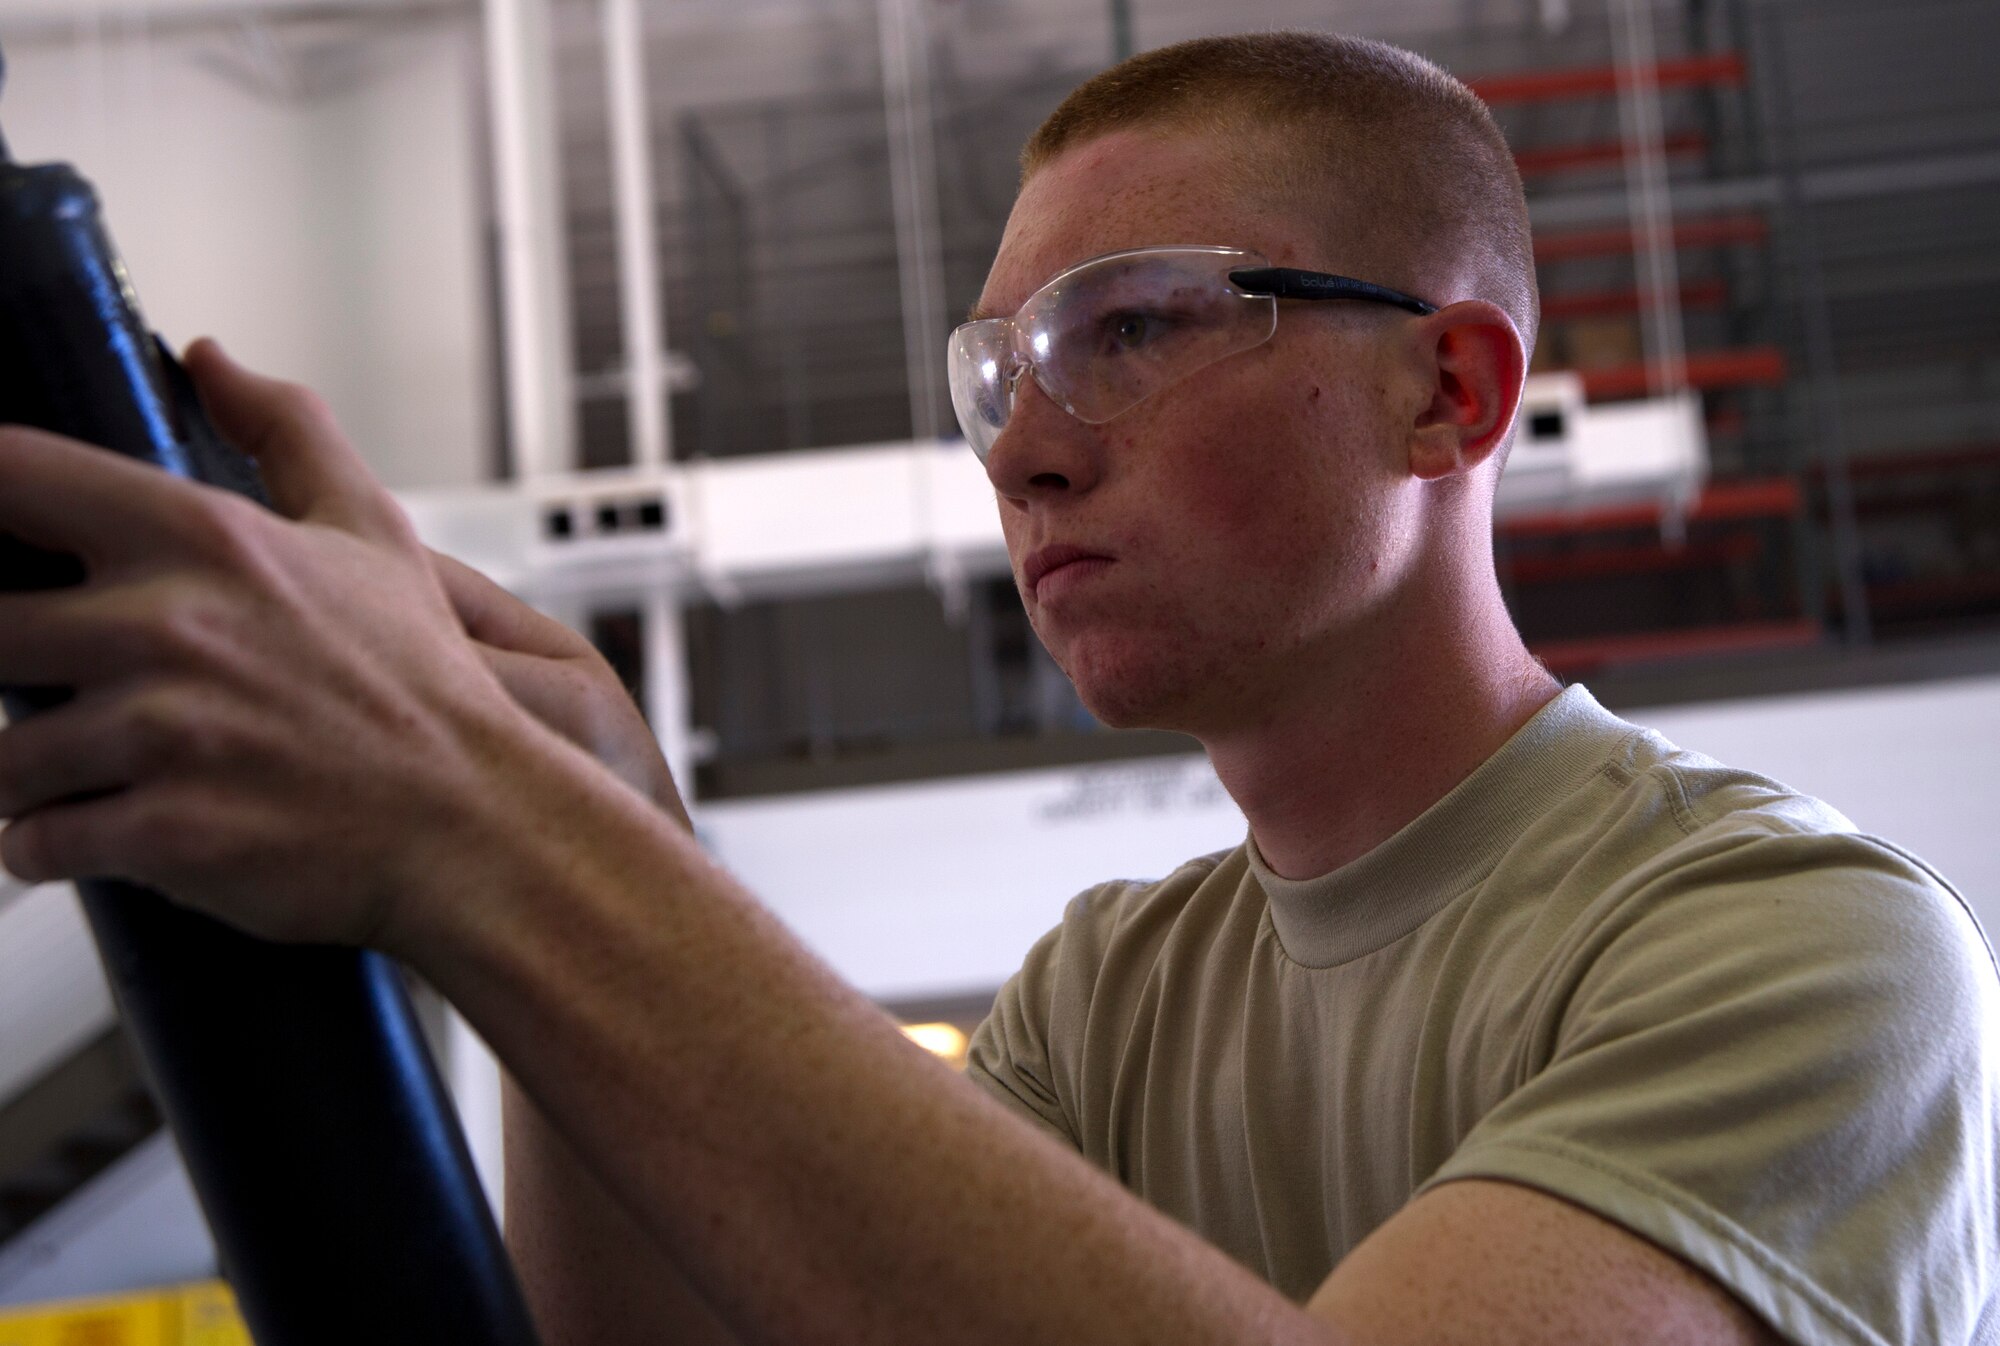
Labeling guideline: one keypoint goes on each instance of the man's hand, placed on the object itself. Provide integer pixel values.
(561, 679)
(276, 716)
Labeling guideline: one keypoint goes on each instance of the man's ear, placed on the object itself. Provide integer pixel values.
(1473, 358)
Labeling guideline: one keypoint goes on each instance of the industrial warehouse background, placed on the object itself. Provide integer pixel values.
(640, 307)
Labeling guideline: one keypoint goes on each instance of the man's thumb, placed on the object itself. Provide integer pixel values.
(308, 466)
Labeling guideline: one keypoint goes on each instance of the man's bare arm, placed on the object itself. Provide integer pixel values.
(816, 1176)
(1480, 1263)
(592, 1273)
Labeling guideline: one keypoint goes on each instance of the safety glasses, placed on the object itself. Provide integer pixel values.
(1108, 333)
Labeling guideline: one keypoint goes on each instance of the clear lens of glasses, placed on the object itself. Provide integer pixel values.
(1104, 336)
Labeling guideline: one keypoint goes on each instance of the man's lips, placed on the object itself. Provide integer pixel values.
(1050, 559)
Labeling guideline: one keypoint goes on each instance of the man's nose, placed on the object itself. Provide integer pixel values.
(1043, 451)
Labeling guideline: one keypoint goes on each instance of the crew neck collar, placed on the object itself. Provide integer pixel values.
(1380, 897)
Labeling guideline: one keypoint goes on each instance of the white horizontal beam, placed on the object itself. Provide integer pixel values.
(877, 515)
(835, 519)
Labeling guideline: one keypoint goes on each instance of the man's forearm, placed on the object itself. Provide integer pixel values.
(593, 1274)
(816, 1176)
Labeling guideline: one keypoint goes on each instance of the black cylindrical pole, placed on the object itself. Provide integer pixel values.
(321, 1143)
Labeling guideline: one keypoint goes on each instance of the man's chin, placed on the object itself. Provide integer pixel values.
(1131, 683)
(1128, 703)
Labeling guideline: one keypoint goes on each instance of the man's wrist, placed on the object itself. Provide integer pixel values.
(519, 811)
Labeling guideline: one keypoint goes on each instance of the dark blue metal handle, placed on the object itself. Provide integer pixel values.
(322, 1144)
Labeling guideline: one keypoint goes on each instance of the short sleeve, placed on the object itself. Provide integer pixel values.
(1009, 1055)
(1776, 1059)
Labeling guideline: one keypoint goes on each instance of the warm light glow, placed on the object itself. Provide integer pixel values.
(941, 1040)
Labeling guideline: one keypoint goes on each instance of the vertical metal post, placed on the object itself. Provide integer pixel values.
(534, 282)
(1122, 41)
(785, 234)
(667, 702)
(1829, 420)
(1647, 195)
(473, 1074)
(638, 244)
(906, 91)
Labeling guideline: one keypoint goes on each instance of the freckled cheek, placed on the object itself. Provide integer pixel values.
(1252, 493)
(1227, 505)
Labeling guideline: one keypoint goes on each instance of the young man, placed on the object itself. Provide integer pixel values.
(1509, 1022)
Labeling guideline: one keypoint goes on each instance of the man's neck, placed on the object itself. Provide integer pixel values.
(1343, 764)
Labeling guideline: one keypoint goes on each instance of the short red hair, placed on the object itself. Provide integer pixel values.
(1327, 121)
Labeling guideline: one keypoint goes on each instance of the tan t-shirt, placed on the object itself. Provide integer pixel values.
(1678, 994)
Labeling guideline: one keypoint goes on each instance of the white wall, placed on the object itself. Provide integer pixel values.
(329, 235)
(134, 1226)
(53, 997)
(938, 888)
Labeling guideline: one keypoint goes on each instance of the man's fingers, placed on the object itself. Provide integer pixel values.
(556, 693)
(106, 509)
(80, 636)
(309, 467)
(478, 601)
(69, 751)
(493, 616)
(64, 496)
(68, 841)
(50, 639)
(590, 710)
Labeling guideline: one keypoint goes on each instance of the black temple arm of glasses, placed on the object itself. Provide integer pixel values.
(1284, 282)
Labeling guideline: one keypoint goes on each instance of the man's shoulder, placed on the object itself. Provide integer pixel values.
(1649, 799)
(1668, 836)
(1650, 853)
(1755, 1035)
(1719, 811)
(1714, 797)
